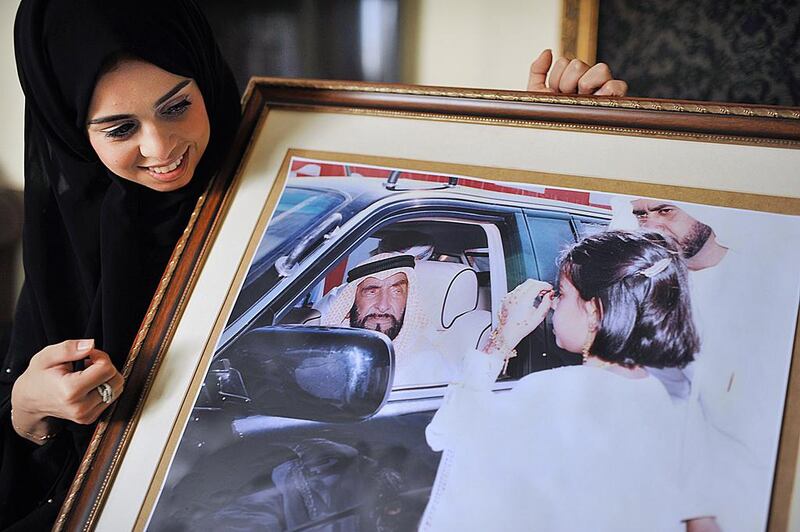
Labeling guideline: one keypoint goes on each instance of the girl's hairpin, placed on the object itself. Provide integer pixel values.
(655, 269)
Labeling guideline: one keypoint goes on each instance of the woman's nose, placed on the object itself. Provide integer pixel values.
(156, 143)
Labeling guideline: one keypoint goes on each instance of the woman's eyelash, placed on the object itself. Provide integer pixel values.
(177, 108)
(126, 129)
(121, 131)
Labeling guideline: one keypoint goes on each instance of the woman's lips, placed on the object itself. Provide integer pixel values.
(171, 171)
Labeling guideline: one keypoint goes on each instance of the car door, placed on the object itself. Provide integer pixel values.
(549, 232)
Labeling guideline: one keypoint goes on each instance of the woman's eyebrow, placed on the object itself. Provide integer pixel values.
(104, 119)
(170, 93)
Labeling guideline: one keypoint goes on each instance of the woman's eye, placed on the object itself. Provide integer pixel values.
(177, 109)
(121, 131)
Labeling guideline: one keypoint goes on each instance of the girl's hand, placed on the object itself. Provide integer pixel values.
(573, 77)
(518, 315)
(49, 388)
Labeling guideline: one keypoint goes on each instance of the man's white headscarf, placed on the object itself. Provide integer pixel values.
(381, 267)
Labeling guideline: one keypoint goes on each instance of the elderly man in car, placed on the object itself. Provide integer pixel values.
(382, 294)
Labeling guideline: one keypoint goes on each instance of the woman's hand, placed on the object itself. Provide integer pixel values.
(573, 77)
(518, 315)
(49, 388)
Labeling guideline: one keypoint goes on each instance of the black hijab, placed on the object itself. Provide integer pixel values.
(94, 244)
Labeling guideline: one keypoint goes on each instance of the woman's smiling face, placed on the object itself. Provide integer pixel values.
(147, 125)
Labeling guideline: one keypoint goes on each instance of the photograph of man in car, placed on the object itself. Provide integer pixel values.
(382, 294)
(282, 437)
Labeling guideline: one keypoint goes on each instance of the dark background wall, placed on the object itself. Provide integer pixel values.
(735, 50)
(331, 39)
(10, 234)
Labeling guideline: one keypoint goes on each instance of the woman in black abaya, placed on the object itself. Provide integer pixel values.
(95, 244)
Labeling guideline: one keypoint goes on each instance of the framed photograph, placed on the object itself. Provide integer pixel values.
(263, 393)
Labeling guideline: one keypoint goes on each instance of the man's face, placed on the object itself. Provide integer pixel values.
(672, 221)
(380, 304)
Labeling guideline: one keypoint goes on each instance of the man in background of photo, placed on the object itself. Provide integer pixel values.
(743, 286)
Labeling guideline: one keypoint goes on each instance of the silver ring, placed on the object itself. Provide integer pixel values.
(106, 392)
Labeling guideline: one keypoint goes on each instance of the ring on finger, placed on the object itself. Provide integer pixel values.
(106, 392)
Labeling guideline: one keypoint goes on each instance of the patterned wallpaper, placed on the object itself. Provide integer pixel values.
(733, 50)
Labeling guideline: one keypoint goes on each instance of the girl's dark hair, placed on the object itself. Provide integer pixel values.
(645, 319)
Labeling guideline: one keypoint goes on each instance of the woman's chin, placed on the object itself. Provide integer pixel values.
(170, 186)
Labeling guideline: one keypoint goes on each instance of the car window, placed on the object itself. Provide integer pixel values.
(589, 226)
(478, 259)
(298, 210)
(550, 236)
(298, 213)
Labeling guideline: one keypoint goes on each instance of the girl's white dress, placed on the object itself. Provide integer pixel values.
(569, 449)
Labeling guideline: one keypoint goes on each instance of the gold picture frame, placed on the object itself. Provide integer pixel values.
(683, 151)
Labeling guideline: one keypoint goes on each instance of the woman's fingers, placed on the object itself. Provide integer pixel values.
(86, 408)
(573, 77)
(99, 371)
(522, 298)
(533, 286)
(537, 76)
(594, 78)
(556, 72)
(94, 406)
(117, 384)
(96, 400)
(614, 87)
(524, 295)
(49, 388)
(73, 395)
(66, 351)
(541, 310)
(534, 290)
(572, 74)
(518, 314)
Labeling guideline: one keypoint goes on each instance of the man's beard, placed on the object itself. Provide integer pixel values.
(695, 239)
(392, 331)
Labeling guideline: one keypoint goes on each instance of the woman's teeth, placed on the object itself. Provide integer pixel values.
(169, 168)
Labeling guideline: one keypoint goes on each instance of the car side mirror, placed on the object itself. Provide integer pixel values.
(332, 374)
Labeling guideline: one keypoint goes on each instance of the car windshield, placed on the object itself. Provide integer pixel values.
(299, 210)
